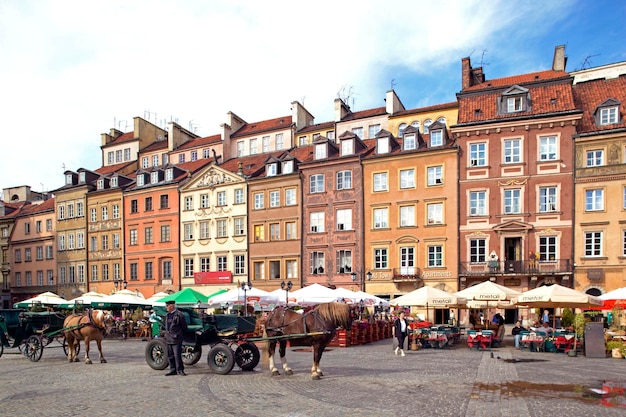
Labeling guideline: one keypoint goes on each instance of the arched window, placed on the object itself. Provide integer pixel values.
(427, 123)
(401, 129)
(442, 120)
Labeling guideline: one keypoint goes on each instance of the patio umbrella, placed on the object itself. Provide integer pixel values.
(122, 299)
(46, 299)
(348, 296)
(157, 296)
(488, 291)
(84, 299)
(254, 296)
(187, 297)
(372, 299)
(613, 298)
(557, 296)
(282, 295)
(429, 297)
(314, 294)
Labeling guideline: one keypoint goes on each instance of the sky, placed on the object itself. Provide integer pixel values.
(73, 69)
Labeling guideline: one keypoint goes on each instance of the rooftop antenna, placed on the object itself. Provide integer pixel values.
(393, 83)
(482, 59)
(302, 100)
(63, 166)
(587, 62)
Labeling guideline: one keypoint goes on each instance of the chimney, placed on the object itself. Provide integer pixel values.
(393, 103)
(470, 76)
(300, 116)
(106, 138)
(341, 109)
(559, 60)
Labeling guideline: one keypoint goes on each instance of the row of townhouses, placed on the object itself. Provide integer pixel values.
(521, 181)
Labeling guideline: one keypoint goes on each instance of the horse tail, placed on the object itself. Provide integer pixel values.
(265, 356)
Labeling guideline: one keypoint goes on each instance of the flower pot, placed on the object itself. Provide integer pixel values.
(572, 353)
(616, 353)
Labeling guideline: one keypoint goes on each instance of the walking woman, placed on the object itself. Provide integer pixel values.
(400, 328)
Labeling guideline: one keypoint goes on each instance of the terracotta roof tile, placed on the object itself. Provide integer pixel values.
(39, 208)
(193, 143)
(156, 145)
(545, 99)
(125, 137)
(112, 168)
(531, 77)
(434, 107)
(378, 111)
(589, 95)
(248, 129)
(249, 164)
(317, 126)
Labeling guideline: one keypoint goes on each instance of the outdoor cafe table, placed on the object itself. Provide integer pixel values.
(479, 340)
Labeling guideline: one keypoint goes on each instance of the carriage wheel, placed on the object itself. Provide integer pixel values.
(1, 347)
(156, 354)
(247, 356)
(221, 359)
(191, 355)
(65, 347)
(33, 348)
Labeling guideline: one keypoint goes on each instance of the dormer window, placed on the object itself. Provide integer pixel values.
(287, 167)
(382, 145)
(321, 151)
(409, 142)
(154, 177)
(169, 174)
(114, 182)
(607, 113)
(140, 180)
(100, 184)
(436, 138)
(514, 100)
(68, 179)
(271, 169)
(347, 147)
(81, 176)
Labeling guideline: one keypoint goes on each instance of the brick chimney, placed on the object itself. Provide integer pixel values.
(470, 76)
(341, 109)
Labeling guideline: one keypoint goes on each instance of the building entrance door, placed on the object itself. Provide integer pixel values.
(513, 253)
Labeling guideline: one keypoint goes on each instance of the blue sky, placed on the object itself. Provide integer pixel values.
(72, 70)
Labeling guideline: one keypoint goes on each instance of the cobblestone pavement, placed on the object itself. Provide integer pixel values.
(360, 380)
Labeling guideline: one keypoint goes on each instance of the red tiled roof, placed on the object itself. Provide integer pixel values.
(125, 137)
(156, 145)
(317, 126)
(531, 77)
(112, 168)
(377, 111)
(279, 123)
(193, 166)
(483, 107)
(193, 143)
(589, 95)
(249, 164)
(39, 208)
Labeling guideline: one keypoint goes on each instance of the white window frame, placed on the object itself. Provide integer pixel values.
(478, 203)
(316, 221)
(595, 157)
(593, 243)
(608, 115)
(344, 180)
(548, 199)
(344, 219)
(381, 218)
(435, 213)
(594, 199)
(435, 175)
(477, 154)
(512, 201)
(316, 183)
(407, 216)
(512, 151)
(380, 182)
(407, 178)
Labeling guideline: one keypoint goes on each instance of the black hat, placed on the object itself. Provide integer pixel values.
(170, 302)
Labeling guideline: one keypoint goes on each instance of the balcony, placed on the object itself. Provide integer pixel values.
(525, 267)
(408, 274)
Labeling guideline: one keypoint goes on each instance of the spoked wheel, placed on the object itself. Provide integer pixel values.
(66, 348)
(156, 354)
(221, 359)
(33, 348)
(191, 355)
(247, 356)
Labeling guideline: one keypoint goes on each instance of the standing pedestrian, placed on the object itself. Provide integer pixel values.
(175, 326)
(400, 329)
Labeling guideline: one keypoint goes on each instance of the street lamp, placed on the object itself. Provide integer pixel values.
(287, 287)
(245, 287)
(369, 275)
(125, 283)
(360, 309)
(116, 283)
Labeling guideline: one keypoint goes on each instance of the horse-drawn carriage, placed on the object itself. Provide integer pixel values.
(31, 331)
(222, 332)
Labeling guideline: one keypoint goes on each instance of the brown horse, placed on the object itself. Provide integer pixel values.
(317, 327)
(88, 326)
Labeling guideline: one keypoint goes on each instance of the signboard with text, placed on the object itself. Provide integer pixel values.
(218, 277)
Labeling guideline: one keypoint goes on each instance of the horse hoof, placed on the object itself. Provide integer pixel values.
(75, 360)
(88, 362)
(315, 377)
(103, 361)
(289, 372)
(275, 373)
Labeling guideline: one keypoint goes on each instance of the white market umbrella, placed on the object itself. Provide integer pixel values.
(348, 296)
(488, 291)
(86, 299)
(314, 294)
(281, 295)
(613, 298)
(254, 296)
(46, 298)
(154, 299)
(122, 299)
(372, 300)
(557, 296)
(429, 297)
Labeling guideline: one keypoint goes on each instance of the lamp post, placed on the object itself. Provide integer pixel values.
(245, 287)
(360, 309)
(353, 275)
(287, 287)
(125, 283)
(116, 283)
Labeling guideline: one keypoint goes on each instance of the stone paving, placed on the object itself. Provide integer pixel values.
(360, 380)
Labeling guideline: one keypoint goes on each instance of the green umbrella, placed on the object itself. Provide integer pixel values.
(188, 297)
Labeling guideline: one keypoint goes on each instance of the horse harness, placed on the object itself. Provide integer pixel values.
(314, 313)
(76, 329)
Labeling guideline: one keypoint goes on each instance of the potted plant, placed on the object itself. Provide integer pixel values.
(579, 330)
(617, 348)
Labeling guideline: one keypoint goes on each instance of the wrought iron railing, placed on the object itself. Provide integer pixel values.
(524, 267)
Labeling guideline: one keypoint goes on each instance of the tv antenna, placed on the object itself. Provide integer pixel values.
(587, 62)
(393, 83)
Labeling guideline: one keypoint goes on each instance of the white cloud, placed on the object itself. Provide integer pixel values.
(73, 69)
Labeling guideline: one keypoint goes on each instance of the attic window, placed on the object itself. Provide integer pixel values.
(100, 184)
(169, 174)
(347, 147)
(514, 100)
(552, 101)
(477, 112)
(409, 142)
(114, 181)
(436, 138)
(514, 104)
(140, 180)
(382, 145)
(320, 151)
(287, 167)
(154, 177)
(271, 169)
(81, 177)
(68, 179)
(608, 115)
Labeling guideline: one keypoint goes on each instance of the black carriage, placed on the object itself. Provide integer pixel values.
(224, 333)
(31, 331)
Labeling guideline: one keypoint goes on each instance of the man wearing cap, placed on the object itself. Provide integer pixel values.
(175, 326)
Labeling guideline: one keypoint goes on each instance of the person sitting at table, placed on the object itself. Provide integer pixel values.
(473, 319)
(516, 332)
(546, 329)
(498, 320)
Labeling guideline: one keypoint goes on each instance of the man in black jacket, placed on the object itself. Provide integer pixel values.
(175, 326)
